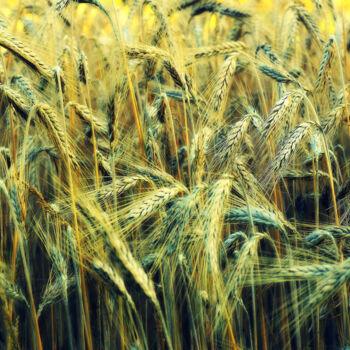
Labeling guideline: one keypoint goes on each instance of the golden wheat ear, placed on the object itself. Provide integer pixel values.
(25, 54)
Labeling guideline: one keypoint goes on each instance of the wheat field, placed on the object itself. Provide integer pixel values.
(174, 174)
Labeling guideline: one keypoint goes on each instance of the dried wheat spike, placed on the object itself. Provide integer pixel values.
(326, 63)
(220, 49)
(48, 118)
(267, 49)
(25, 54)
(112, 278)
(153, 202)
(53, 293)
(146, 52)
(212, 222)
(285, 153)
(83, 112)
(309, 24)
(331, 123)
(20, 104)
(284, 108)
(221, 88)
(25, 87)
(211, 6)
(11, 290)
(122, 185)
(234, 138)
(61, 5)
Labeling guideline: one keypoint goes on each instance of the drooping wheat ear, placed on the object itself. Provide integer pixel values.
(158, 11)
(328, 285)
(331, 7)
(34, 152)
(59, 264)
(309, 24)
(158, 176)
(184, 4)
(176, 95)
(317, 237)
(19, 103)
(112, 278)
(153, 150)
(133, 267)
(233, 238)
(234, 138)
(122, 185)
(97, 4)
(11, 290)
(177, 77)
(212, 219)
(49, 120)
(61, 5)
(146, 52)
(83, 112)
(317, 3)
(284, 108)
(326, 63)
(331, 92)
(124, 255)
(83, 68)
(240, 169)
(260, 217)
(267, 49)
(226, 72)
(179, 159)
(25, 87)
(294, 273)
(64, 59)
(338, 232)
(237, 31)
(25, 54)
(153, 202)
(6, 154)
(220, 49)
(294, 174)
(331, 123)
(246, 260)
(120, 89)
(343, 95)
(157, 109)
(289, 47)
(212, 6)
(15, 203)
(278, 75)
(134, 6)
(178, 219)
(50, 208)
(53, 293)
(4, 22)
(286, 152)
(199, 149)
(257, 122)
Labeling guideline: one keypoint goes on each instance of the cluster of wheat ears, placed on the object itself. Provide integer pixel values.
(174, 176)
